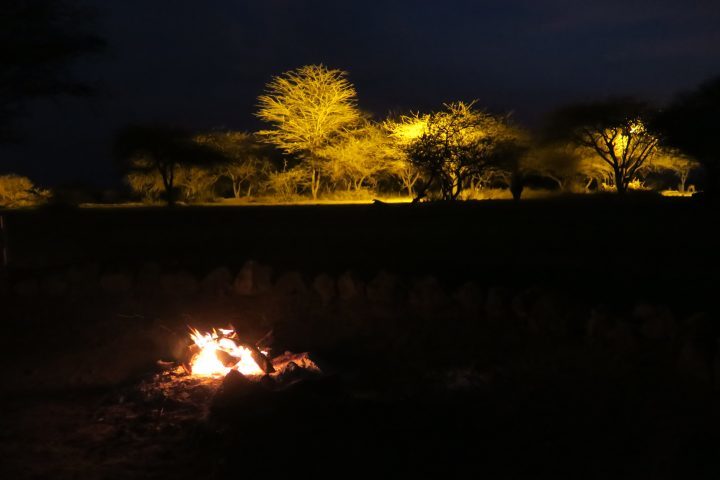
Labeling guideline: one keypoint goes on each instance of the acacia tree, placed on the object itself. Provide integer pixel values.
(247, 163)
(669, 160)
(308, 108)
(196, 182)
(161, 151)
(616, 131)
(359, 157)
(561, 164)
(454, 145)
(402, 132)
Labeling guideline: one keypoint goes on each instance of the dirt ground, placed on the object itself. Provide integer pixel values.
(493, 385)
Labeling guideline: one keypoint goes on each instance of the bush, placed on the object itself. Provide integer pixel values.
(18, 191)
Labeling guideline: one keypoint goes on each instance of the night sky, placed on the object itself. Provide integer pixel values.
(202, 64)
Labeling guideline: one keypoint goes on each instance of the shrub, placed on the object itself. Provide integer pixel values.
(18, 191)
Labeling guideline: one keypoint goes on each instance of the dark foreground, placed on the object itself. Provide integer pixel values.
(518, 360)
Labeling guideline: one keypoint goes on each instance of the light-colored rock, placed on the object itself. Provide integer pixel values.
(324, 286)
(350, 286)
(217, 282)
(253, 279)
(471, 297)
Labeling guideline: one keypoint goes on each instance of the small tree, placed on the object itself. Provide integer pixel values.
(669, 160)
(615, 130)
(308, 109)
(196, 182)
(144, 180)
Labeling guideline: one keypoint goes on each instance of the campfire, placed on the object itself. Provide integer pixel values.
(217, 353)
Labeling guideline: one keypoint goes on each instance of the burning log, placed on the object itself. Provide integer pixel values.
(262, 361)
(302, 360)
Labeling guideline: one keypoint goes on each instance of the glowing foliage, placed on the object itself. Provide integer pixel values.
(451, 146)
(359, 157)
(670, 160)
(18, 191)
(308, 108)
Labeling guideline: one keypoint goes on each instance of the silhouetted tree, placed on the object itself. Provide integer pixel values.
(308, 108)
(691, 125)
(162, 150)
(616, 130)
(456, 144)
(38, 41)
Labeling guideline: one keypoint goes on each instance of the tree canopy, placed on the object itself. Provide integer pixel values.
(307, 108)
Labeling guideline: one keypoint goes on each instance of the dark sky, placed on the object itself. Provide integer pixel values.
(202, 63)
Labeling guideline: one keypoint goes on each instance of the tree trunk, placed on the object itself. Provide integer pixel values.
(683, 181)
(619, 182)
(315, 183)
(168, 177)
(517, 185)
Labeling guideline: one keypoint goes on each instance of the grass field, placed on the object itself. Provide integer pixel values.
(606, 248)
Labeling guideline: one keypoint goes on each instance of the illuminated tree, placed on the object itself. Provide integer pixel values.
(286, 182)
(403, 132)
(18, 191)
(161, 151)
(247, 163)
(308, 108)
(561, 164)
(196, 182)
(691, 125)
(668, 160)
(456, 144)
(616, 131)
(359, 157)
(144, 180)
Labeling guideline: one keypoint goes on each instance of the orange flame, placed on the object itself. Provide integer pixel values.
(218, 344)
